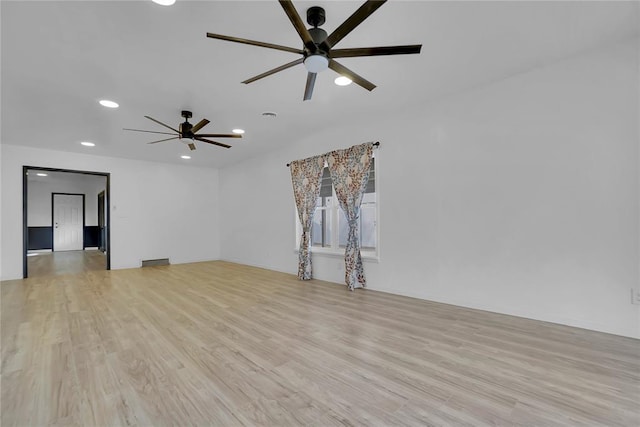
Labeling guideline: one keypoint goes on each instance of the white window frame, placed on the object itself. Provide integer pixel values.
(335, 250)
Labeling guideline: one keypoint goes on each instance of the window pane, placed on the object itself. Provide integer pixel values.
(368, 227)
(371, 184)
(321, 228)
(343, 231)
(316, 230)
(325, 185)
(368, 198)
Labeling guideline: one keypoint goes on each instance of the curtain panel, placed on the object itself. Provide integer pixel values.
(306, 176)
(349, 174)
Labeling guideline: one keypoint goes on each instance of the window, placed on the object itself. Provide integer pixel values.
(330, 228)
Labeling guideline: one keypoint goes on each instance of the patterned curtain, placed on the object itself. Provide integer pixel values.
(306, 177)
(349, 173)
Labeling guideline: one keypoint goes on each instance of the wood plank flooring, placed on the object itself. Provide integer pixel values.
(217, 343)
(42, 264)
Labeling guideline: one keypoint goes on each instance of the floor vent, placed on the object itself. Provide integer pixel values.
(154, 262)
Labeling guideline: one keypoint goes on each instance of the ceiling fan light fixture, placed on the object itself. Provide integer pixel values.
(316, 63)
(164, 2)
(343, 81)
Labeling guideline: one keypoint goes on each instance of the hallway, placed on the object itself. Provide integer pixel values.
(43, 264)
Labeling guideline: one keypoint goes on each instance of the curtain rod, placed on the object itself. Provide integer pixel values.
(375, 144)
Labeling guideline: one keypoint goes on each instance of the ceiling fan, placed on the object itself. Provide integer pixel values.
(318, 53)
(189, 132)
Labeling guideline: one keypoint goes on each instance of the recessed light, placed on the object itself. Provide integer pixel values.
(88, 144)
(164, 2)
(238, 131)
(108, 104)
(343, 81)
(41, 174)
(185, 157)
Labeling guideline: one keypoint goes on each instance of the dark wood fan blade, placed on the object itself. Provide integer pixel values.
(295, 19)
(344, 71)
(148, 131)
(352, 22)
(202, 123)
(192, 146)
(376, 51)
(308, 90)
(255, 43)
(162, 124)
(275, 70)
(219, 135)
(162, 140)
(208, 141)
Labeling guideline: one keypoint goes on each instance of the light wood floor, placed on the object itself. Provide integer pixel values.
(65, 262)
(217, 343)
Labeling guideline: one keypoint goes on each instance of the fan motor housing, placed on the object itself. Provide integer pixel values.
(185, 130)
(318, 35)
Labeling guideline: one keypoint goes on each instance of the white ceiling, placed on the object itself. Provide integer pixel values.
(60, 57)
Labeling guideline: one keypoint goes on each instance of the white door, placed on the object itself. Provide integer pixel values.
(67, 222)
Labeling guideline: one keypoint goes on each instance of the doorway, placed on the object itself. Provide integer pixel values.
(66, 221)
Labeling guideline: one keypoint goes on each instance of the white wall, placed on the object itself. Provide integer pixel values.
(40, 190)
(520, 197)
(157, 210)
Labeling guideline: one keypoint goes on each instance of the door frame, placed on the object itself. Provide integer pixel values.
(53, 227)
(101, 221)
(25, 192)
